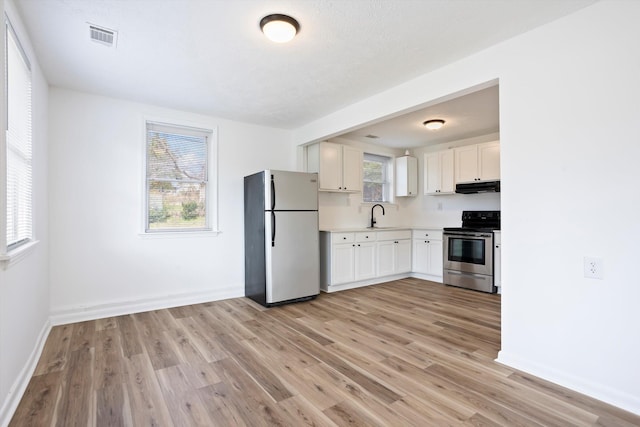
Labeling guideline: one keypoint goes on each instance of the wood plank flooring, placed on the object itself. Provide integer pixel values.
(404, 353)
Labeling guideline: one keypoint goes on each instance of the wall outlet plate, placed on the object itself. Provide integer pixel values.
(593, 268)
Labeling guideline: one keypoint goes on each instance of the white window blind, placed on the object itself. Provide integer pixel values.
(375, 174)
(177, 178)
(18, 143)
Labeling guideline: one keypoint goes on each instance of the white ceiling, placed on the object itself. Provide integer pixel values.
(209, 56)
(465, 116)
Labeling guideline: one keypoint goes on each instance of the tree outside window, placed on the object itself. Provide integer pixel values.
(375, 178)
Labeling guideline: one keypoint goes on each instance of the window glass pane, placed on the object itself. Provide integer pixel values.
(18, 145)
(177, 205)
(375, 183)
(177, 184)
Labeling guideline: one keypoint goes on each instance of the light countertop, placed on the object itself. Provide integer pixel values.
(365, 229)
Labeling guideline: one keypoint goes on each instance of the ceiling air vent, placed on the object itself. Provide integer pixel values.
(102, 35)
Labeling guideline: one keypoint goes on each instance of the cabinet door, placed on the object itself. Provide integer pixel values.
(466, 163)
(330, 171)
(342, 265)
(435, 258)
(431, 173)
(386, 258)
(351, 169)
(489, 161)
(421, 256)
(403, 256)
(406, 171)
(365, 261)
(447, 176)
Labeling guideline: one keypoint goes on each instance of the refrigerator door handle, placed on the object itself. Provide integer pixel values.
(273, 228)
(273, 193)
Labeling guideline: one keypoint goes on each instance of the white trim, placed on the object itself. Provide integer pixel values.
(17, 255)
(178, 234)
(81, 313)
(353, 285)
(213, 178)
(17, 390)
(429, 277)
(596, 390)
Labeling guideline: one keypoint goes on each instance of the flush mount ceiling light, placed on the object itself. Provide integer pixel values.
(433, 124)
(279, 28)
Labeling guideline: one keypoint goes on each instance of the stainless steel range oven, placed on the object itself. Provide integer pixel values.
(468, 251)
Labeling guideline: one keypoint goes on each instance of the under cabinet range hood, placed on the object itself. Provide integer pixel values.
(478, 187)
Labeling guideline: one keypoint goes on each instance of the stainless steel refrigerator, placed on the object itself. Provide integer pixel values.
(281, 238)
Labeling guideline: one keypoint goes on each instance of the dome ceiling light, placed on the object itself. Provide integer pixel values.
(279, 28)
(433, 124)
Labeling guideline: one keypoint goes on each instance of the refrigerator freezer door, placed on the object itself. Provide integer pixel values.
(293, 262)
(291, 191)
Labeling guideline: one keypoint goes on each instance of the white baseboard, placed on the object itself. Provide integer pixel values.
(74, 314)
(601, 392)
(429, 277)
(361, 283)
(19, 386)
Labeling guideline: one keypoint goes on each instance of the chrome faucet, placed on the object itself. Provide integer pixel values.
(373, 220)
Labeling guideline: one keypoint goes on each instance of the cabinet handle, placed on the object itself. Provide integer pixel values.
(497, 246)
(344, 238)
(358, 245)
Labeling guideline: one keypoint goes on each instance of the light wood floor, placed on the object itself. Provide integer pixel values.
(406, 353)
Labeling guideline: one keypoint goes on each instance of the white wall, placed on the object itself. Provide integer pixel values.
(569, 153)
(24, 286)
(100, 264)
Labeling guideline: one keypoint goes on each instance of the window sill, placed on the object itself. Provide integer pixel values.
(13, 257)
(179, 234)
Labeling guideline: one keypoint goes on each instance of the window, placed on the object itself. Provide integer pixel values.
(376, 172)
(19, 226)
(177, 178)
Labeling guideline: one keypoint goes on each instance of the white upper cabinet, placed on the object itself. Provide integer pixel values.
(475, 163)
(406, 176)
(438, 173)
(339, 167)
(351, 169)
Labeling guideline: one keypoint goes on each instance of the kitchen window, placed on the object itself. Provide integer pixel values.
(179, 191)
(18, 187)
(376, 171)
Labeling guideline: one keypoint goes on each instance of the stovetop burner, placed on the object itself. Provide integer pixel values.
(478, 221)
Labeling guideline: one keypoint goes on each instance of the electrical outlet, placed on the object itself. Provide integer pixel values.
(593, 268)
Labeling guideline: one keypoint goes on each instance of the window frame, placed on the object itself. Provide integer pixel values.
(387, 183)
(11, 253)
(211, 195)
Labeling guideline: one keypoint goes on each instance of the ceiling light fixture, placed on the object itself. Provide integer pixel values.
(433, 124)
(279, 28)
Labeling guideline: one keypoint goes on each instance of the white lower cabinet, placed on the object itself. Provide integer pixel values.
(359, 258)
(343, 263)
(427, 252)
(394, 252)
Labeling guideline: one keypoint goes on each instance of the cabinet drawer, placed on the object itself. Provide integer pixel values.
(427, 234)
(342, 237)
(394, 235)
(366, 237)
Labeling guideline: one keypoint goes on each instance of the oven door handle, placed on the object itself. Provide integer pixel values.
(462, 273)
(485, 235)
